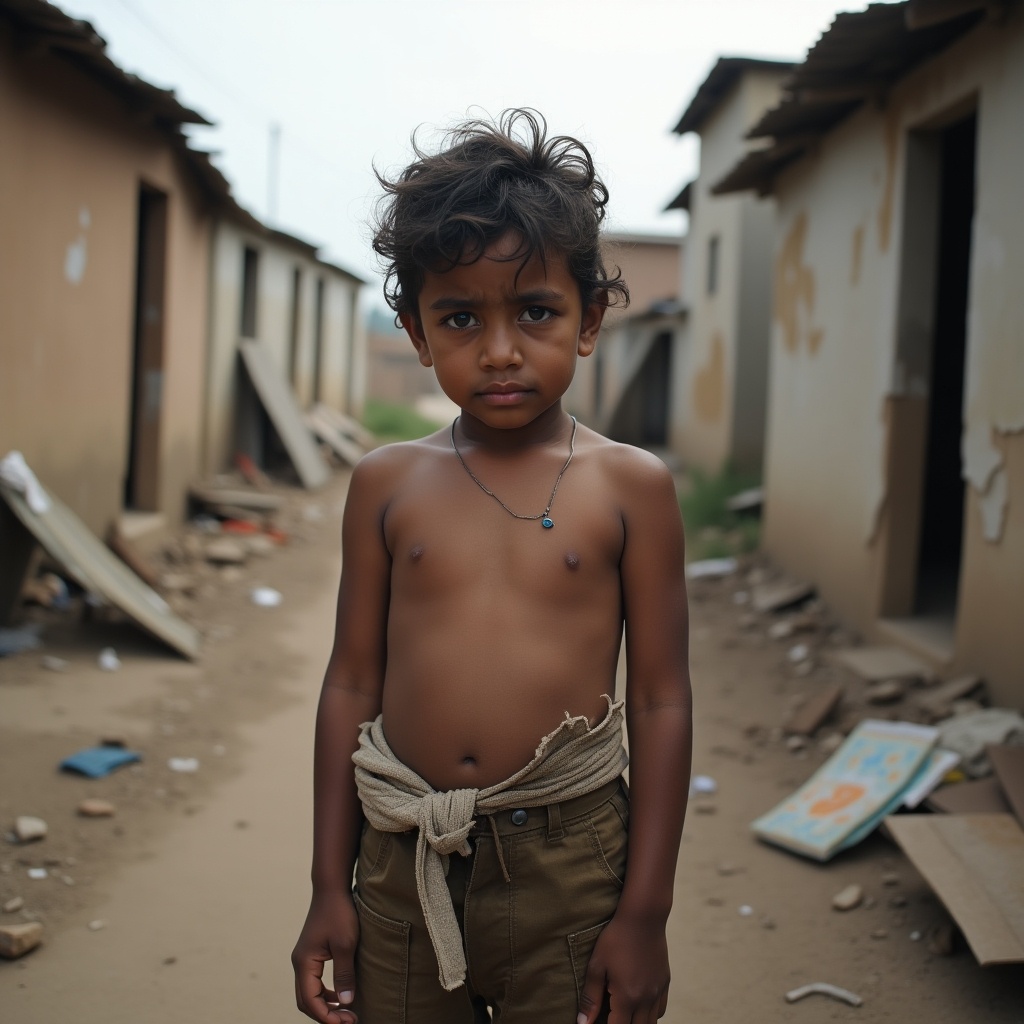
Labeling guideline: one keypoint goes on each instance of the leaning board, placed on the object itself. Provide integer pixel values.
(975, 864)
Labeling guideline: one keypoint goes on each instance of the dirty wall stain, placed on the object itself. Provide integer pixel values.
(891, 129)
(858, 254)
(795, 288)
(709, 383)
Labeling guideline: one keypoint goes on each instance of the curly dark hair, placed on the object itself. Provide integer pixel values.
(490, 179)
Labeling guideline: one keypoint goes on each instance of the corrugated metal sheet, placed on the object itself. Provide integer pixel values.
(719, 81)
(858, 58)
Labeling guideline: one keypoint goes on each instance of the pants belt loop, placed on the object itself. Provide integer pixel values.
(555, 830)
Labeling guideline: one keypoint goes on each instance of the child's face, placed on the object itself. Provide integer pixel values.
(503, 346)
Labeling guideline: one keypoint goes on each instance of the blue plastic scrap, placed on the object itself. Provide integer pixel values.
(99, 761)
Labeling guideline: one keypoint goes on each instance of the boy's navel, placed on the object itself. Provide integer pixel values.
(572, 560)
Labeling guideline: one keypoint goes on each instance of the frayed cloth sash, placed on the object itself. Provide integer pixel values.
(571, 761)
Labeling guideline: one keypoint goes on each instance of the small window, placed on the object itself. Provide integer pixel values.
(713, 253)
(250, 287)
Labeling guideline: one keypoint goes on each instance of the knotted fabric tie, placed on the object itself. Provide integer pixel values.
(571, 761)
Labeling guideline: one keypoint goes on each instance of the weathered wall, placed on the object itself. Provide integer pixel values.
(848, 318)
(341, 381)
(73, 160)
(722, 418)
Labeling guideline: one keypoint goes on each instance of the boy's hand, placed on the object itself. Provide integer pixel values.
(331, 932)
(630, 963)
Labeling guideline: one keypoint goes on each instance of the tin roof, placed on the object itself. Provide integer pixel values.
(719, 81)
(857, 59)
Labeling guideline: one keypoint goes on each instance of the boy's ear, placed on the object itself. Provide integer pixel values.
(590, 327)
(414, 328)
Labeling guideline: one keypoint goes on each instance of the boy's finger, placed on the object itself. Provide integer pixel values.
(592, 995)
(344, 981)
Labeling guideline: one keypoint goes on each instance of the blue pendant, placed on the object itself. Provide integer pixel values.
(547, 522)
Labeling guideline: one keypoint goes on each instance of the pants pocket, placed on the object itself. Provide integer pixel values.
(581, 946)
(382, 967)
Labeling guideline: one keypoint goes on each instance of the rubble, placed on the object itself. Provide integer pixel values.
(849, 898)
(18, 939)
(29, 829)
(824, 988)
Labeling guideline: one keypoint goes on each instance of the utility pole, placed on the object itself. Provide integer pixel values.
(273, 158)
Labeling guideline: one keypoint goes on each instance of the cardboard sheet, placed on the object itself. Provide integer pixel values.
(284, 413)
(847, 797)
(96, 568)
(979, 796)
(975, 865)
(1008, 764)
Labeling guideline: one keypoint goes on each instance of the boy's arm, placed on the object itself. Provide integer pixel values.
(351, 695)
(630, 959)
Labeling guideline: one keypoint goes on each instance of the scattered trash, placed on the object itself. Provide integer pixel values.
(13, 905)
(970, 734)
(18, 939)
(823, 988)
(938, 765)
(183, 764)
(29, 829)
(265, 597)
(849, 795)
(92, 807)
(711, 568)
(96, 762)
(52, 664)
(703, 784)
(746, 910)
(108, 660)
(849, 898)
(23, 638)
(14, 472)
(37, 874)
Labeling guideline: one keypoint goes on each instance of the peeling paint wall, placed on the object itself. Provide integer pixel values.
(724, 379)
(829, 516)
(73, 160)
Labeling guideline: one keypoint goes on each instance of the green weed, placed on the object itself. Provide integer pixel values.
(391, 421)
(712, 530)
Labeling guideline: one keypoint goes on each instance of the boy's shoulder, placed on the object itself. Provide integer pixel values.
(624, 463)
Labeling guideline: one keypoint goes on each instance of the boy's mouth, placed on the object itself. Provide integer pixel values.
(504, 394)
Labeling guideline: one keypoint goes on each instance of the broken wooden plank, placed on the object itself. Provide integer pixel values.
(975, 865)
(771, 597)
(877, 663)
(804, 721)
(284, 412)
(93, 566)
(344, 447)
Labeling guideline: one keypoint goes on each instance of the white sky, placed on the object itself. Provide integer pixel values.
(348, 80)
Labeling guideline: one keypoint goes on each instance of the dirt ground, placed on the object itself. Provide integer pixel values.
(184, 905)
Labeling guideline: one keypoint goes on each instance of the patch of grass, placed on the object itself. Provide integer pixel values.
(391, 421)
(714, 531)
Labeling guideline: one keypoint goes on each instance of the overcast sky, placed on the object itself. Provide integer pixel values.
(348, 80)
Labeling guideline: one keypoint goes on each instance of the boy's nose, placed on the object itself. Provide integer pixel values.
(500, 349)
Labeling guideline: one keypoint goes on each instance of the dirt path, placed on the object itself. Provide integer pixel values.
(200, 880)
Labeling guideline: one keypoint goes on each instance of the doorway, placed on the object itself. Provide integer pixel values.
(142, 479)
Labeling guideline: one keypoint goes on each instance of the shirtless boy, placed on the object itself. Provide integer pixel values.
(490, 571)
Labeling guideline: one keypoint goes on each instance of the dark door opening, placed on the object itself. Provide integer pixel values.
(141, 485)
(654, 391)
(942, 514)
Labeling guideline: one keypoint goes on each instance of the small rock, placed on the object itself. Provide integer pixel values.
(848, 898)
(92, 807)
(890, 878)
(885, 692)
(52, 664)
(781, 630)
(97, 925)
(831, 743)
(13, 905)
(108, 660)
(915, 936)
(798, 653)
(18, 939)
(183, 764)
(746, 910)
(880, 933)
(67, 880)
(897, 901)
(260, 544)
(225, 551)
(27, 828)
(232, 574)
(941, 940)
(795, 744)
(725, 869)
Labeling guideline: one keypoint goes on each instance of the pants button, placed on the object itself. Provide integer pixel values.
(519, 817)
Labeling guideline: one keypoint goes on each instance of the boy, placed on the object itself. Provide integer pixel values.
(489, 571)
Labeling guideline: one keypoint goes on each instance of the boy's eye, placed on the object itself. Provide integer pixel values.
(460, 321)
(536, 314)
